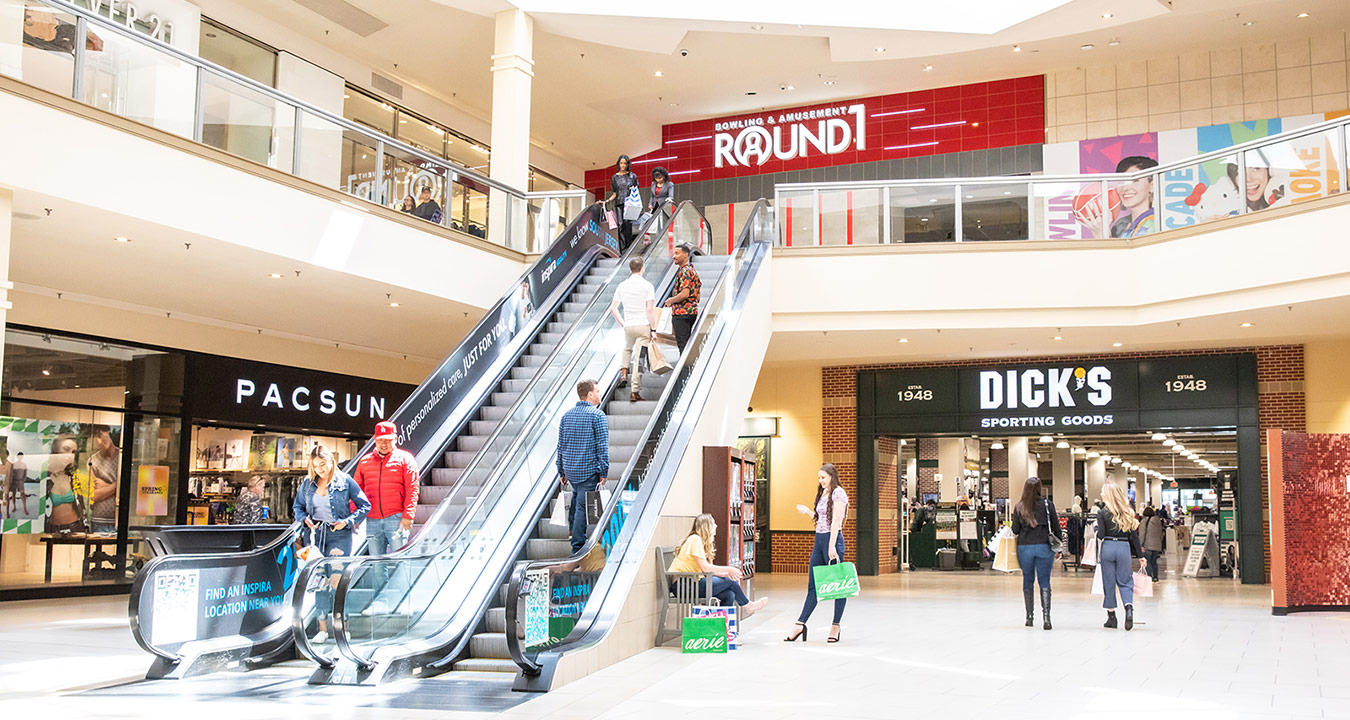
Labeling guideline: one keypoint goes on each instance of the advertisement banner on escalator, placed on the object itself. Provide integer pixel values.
(439, 397)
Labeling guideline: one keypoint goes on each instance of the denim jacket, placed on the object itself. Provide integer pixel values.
(343, 494)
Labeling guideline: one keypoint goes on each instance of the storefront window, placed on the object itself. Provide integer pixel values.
(233, 51)
(364, 109)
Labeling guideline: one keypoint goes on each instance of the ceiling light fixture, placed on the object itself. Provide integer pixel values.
(1107, 16)
(1114, 42)
(1246, 324)
(1117, 344)
(1302, 15)
(1058, 337)
(1094, 454)
(1047, 439)
(830, 82)
(898, 112)
(1079, 451)
(938, 125)
(46, 371)
(393, 304)
(1062, 444)
(903, 340)
(904, 147)
(1178, 448)
(756, 28)
(1088, 46)
(927, 67)
(1169, 442)
(122, 240)
(996, 446)
(1249, 23)
(658, 73)
(881, 49)
(275, 276)
(1127, 465)
(1017, 48)
(1159, 437)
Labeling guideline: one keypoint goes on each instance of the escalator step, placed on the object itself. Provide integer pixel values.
(513, 386)
(520, 372)
(644, 408)
(433, 494)
(489, 646)
(506, 399)
(445, 476)
(485, 427)
(534, 361)
(470, 443)
(548, 531)
(485, 665)
(624, 438)
(627, 422)
(496, 620)
(546, 549)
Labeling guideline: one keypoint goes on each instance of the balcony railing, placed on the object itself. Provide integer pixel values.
(71, 51)
(1284, 169)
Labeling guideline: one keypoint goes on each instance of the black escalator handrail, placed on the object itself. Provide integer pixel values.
(138, 584)
(413, 553)
(518, 575)
(586, 623)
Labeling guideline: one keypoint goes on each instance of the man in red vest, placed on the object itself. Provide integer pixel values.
(389, 478)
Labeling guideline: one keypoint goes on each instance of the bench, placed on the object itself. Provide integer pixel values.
(682, 593)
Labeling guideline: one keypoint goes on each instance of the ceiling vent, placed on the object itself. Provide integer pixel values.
(347, 15)
(386, 86)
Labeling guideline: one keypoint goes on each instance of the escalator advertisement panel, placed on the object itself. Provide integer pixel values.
(216, 598)
(431, 405)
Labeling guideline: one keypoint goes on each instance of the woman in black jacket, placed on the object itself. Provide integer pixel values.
(1033, 520)
(1118, 530)
(621, 183)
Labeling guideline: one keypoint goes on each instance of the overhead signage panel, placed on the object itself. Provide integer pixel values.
(1050, 397)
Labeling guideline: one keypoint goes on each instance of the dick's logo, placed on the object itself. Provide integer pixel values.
(1054, 387)
(847, 585)
(696, 644)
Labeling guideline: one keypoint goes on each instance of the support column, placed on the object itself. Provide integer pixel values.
(512, 77)
(11, 43)
(951, 466)
(927, 466)
(1155, 491)
(1018, 469)
(6, 227)
(1063, 477)
(1094, 477)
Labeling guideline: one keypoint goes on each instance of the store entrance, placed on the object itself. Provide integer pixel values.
(957, 492)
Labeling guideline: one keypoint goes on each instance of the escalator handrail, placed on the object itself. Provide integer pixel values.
(351, 564)
(150, 568)
(518, 576)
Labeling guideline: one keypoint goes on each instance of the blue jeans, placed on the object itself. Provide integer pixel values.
(1117, 572)
(820, 555)
(1152, 557)
(385, 535)
(576, 518)
(1036, 562)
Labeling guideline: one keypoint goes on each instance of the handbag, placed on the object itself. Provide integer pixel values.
(836, 581)
(1056, 542)
(1143, 585)
(665, 323)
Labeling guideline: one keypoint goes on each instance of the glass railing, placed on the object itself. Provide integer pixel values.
(70, 51)
(414, 596)
(1276, 171)
(550, 603)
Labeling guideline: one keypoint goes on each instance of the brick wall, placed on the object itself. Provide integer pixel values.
(928, 455)
(888, 487)
(998, 473)
(1280, 405)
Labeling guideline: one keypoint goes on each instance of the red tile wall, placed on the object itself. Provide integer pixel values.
(1280, 405)
(1316, 519)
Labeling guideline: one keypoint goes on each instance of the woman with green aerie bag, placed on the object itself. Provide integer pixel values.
(830, 508)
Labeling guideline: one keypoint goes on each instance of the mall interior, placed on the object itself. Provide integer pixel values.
(943, 296)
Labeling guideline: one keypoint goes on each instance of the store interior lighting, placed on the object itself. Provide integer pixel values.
(1159, 437)
(1062, 444)
(1168, 442)
(1047, 439)
(996, 446)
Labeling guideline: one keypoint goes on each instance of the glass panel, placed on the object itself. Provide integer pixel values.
(155, 445)
(415, 186)
(474, 199)
(358, 165)
(139, 82)
(797, 213)
(994, 212)
(1294, 171)
(321, 151)
(46, 56)
(852, 217)
(364, 109)
(1200, 193)
(238, 53)
(1069, 210)
(247, 123)
(467, 153)
(925, 213)
(421, 134)
(1134, 215)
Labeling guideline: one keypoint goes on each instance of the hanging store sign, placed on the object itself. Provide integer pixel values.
(1096, 395)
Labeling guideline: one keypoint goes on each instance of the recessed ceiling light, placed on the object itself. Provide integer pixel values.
(1087, 46)
(1114, 42)
(1116, 344)
(46, 371)
(122, 239)
(1249, 23)
(1059, 337)
(926, 68)
(275, 276)
(903, 340)
(1017, 48)
(393, 304)
(756, 28)
(1007, 192)
(830, 82)
(658, 73)
(1246, 324)
(881, 49)
(1062, 444)
(1107, 16)
(1302, 15)
(674, 104)
(968, 197)
(923, 219)
(996, 446)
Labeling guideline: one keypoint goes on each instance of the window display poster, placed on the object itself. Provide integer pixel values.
(45, 474)
(152, 490)
(946, 523)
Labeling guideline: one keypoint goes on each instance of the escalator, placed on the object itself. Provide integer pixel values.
(414, 613)
(199, 612)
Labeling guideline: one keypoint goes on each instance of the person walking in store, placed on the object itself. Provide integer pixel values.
(389, 477)
(1118, 530)
(621, 186)
(248, 505)
(427, 209)
(683, 302)
(637, 299)
(831, 507)
(583, 455)
(692, 557)
(1152, 531)
(1034, 521)
(330, 504)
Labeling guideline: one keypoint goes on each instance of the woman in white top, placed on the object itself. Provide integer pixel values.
(830, 508)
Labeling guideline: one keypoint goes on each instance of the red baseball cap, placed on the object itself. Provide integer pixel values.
(386, 430)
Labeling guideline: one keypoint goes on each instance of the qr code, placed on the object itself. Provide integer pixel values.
(174, 618)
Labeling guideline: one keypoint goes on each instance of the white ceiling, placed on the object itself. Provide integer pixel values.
(595, 92)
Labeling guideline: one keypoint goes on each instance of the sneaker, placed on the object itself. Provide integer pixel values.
(319, 639)
(379, 607)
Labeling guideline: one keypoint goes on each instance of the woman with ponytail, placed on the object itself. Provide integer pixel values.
(830, 508)
(1118, 529)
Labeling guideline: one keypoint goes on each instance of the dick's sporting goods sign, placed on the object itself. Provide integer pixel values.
(1064, 395)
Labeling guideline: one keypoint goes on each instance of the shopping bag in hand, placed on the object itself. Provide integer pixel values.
(1097, 582)
(1143, 585)
(612, 221)
(704, 634)
(656, 359)
(836, 582)
(1006, 558)
(559, 517)
(665, 324)
(632, 205)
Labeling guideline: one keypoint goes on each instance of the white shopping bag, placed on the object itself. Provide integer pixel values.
(664, 324)
(993, 542)
(1097, 582)
(559, 516)
(605, 495)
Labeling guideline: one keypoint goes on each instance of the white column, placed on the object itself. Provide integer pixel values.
(512, 76)
(1094, 476)
(11, 41)
(1017, 466)
(1063, 478)
(1155, 491)
(6, 224)
(912, 479)
(951, 466)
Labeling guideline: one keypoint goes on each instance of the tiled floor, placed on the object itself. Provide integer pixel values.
(916, 645)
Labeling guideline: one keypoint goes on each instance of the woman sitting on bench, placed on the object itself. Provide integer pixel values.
(692, 557)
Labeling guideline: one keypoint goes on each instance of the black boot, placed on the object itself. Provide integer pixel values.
(1129, 617)
(1110, 619)
(1045, 607)
(1029, 597)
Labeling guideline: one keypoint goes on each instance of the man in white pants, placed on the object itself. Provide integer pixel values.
(637, 298)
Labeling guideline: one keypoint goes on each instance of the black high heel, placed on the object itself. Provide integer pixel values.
(834, 637)
(801, 634)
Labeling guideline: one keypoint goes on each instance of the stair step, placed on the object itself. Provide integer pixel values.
(496, 620)
(547, 549)
(486, 665)
(445, 476)
(489, 645)
(470, 443)
(433, 494)
(546, 530)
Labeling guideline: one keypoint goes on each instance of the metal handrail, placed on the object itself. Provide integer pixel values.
(378, 139)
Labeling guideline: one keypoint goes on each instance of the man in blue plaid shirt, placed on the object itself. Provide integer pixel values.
(583, 454)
